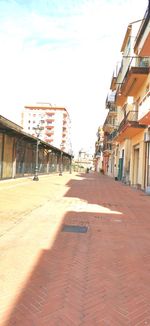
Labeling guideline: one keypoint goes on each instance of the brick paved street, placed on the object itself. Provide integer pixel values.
(49, 277)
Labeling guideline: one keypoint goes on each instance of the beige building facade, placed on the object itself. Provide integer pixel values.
(54, 123)
(129, 141)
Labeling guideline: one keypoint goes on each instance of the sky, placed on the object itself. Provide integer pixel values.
(63, 52)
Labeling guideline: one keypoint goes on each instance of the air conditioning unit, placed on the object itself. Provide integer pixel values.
(147, 136)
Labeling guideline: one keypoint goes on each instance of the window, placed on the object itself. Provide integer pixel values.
(128, 45)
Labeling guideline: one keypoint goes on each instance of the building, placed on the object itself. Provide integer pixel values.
(54, 123)
(84, 161)
(98, 157)
(128, 138)
(19, 152)
(109, 127)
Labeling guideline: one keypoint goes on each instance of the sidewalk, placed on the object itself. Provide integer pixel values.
(50, 276)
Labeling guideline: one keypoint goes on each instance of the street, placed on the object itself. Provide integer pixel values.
(74, 251)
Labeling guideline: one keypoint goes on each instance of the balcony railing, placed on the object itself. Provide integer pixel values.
(133, 62)
(50, 114)
(107, 147)
(110, 124)
(143, 26)
(113, 110)
(112, 135)
(142, 62)
(131, 116)
(50, 133)
(48, 140)
(136, 62)
(110, 100)
(49, 127)
(50, 120)
(144, 106)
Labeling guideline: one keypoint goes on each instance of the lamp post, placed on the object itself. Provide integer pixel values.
(61, 155)
(71, 163)
(37, 131)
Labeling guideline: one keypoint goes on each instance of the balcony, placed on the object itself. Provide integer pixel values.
(109, 125)
(48, 140)
(112, 136)
(50, 114)
(144, 110)
(143, 38)
(136, 74)
(113, 83)
(129, 127)
(110, 101)
(49, 127)
(107, 149)
(113, 112)
(98, 154)
(50, 133)
(50, 120)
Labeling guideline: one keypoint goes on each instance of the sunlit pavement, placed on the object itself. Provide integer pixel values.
(52, 277)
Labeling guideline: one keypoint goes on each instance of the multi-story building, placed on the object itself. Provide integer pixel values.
(109, 128)
(98, 157)
(84, 161)
(142, 49)
(54, 123)
(131, 84)
(18, 154)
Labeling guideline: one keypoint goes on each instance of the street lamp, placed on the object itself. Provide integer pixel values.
(37, 131)
(71, 157)
(61, 161)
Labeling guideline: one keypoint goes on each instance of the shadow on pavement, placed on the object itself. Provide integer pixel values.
(81, 265)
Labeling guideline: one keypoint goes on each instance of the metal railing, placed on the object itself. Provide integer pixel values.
(142, 62)
(130, 116)
(110, 100)
(144, 106)
(112, 135)
(107, 147)
(135, 61)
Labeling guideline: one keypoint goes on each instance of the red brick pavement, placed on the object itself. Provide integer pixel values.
(98, 278)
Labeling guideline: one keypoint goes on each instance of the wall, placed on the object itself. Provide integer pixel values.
(7, 157)
(1, 151)
(139, 139)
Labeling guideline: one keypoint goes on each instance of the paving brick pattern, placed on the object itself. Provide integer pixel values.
(101, 277)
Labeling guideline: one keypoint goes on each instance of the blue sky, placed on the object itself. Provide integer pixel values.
(62, 52)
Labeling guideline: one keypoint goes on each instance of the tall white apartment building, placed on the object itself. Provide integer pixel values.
(54, 122)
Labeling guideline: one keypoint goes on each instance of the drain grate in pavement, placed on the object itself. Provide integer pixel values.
(74, 228)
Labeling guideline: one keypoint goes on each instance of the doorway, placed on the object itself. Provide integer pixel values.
(148, 166)
(120, 166)
(136, 166)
